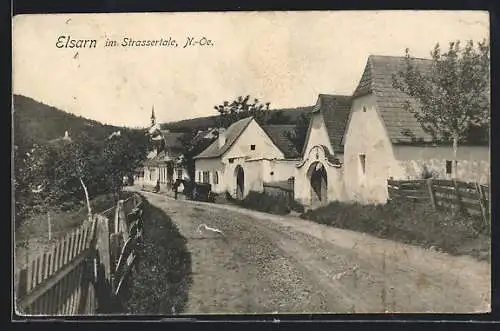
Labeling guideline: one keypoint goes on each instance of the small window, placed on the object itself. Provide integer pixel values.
(271, 173)
(179, 173)
(206, 177)
(362, 162)
(216, 178)
(448, 167)
(199, 176)
(231, 160)
(252, 147)
(364, 109)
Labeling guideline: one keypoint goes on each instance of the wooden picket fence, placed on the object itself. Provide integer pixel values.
(63, 281)
(282, 189)
(451, 194)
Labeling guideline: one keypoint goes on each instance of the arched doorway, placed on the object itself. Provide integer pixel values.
(319, 184)
(240, 182)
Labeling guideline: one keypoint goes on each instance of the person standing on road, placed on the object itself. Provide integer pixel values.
(157, 187)
(176, 186)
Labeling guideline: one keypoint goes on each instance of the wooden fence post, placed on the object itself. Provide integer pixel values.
(116, 219)
(432, 194)
(457, 196)
(122, 219)
(482, 203)
(102, 244)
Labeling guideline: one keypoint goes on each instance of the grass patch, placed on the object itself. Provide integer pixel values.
(63, 221)
(32, 237)
(412, 223)
(160, 282)
(264, 202)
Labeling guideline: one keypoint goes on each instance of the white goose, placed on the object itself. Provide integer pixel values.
(204, 226)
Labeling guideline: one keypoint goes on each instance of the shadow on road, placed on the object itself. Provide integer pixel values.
(161, 280)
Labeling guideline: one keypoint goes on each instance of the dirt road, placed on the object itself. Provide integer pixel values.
(272, 264)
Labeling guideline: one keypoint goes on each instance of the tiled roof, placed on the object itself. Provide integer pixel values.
(401, 125)
(277, 133)
(172, 139)
(335, 110)
(162, 158)
(232, 133)
(202, 135)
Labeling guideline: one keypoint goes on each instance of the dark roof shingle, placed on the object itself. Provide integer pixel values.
(335, 110)
(401, 125)
(277, 133)
(232, 133)
(172, 139)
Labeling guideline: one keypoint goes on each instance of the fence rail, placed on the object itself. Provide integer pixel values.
(63, 281)
(471, 197)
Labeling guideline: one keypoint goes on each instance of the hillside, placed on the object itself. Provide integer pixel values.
(289, 116)
(35, 122)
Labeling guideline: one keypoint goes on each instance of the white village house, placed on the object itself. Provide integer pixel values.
(384, 140)
(354, 144)
(244, 157)
(319, 174)
(163, 163)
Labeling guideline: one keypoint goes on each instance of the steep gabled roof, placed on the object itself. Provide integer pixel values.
(335, 110)
(401, 125)
(277, 133)
(232, 134)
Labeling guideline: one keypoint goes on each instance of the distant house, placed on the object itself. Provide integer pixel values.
(319, 174)
(244, 157)
(61, 140)
(384, 140)
(209, 134)
(164, 162)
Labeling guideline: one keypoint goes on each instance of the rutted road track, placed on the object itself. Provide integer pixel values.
(269, 264)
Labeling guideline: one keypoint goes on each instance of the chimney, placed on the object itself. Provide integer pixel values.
(222, 137)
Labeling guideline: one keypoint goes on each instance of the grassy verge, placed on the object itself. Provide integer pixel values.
(412, 223)
(263, 202)
(32, 237)
(160, 282)
(61, 221)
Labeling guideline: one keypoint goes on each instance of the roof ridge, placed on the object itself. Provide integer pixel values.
(398, 57)
(221, 151)
(281, 125)
(333, 95)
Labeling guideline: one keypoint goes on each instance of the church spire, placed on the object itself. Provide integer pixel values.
(153, 117)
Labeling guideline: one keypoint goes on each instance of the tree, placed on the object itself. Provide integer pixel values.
(50, 175)
(191, 148)
(299, 134)
(278, 117)
(453, 93)
(230, 112)
(121, 155)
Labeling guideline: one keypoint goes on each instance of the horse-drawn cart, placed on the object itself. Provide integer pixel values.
(194, 191)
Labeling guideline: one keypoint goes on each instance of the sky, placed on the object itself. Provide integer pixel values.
(285, 58)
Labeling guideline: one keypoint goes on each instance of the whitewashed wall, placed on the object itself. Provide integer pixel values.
(335, 178)
(211, 165)
(473, 162)
(366, 134)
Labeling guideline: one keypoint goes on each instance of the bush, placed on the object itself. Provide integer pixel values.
(296, 206)
(405, 221)
(228, 196)
(265, 203)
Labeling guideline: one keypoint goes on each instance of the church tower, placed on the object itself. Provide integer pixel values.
(153, 117)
